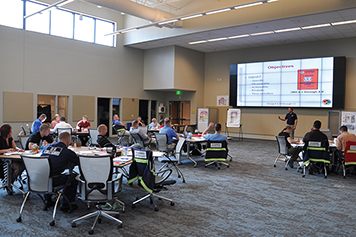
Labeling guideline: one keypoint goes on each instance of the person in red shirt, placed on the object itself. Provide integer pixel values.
(84, 123)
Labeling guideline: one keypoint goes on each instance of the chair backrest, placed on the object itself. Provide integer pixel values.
(327, 132)
(96, 171)
(350, 153)
(23, 130)
(142, 169)
(216, 150)
(144, 129)
(179, 147)
(161, 141)
(185, 129)
(93, 133)
(38, 173)
(23, 140)
(316, 151)
(282, 145)
(60, 130)
(137, 139)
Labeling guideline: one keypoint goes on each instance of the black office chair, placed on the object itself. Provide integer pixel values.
(216, 153)
(316, 152)
(142, 170)
(98, 186)
(40, 182)
(139, 142)
(122, 138)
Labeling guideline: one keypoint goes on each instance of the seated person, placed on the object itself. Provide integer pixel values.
(315, 135)
(118, 126)
(7, 144)
(55, 120)
(135, 129)
(62, 124)
(169, 131)
(84, 123)
(62, 158)
(154, 124)
(293, 152)
(37, 123)
(41, 135)
(343, 138)
(161, 123)
(216, 136)
(102, 139)
(140, 122)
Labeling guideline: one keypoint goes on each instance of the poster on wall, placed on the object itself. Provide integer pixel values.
(233, 118)
(348, 119)
(222, 100)
(203, 118)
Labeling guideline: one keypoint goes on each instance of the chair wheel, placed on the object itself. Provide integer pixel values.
(156, 209)
(91, 232)
(274, 165)
(344, 177)
(179, 176)
(52, 223)
(325, 177)
(119, 226)
(74, 224)
(228, 166)
(286, 168)
(172, 203)
(133, 205)
(206, 166)
(303, 175)
(183, 181)
(19, 219)
(218, 168)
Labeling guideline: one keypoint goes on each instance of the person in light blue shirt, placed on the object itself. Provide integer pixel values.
(216, 136)
(154, 124)
(37, 123)
(169, 131)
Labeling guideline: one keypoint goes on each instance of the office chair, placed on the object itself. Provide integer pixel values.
(98, 186)
(142, 170)
(216, 153)
(316, 152)
(282, 151)
(139, 143)
(168, 159)
(93, 137)
(40, 182)
(122, 138)
(349, 157)
(23, 140)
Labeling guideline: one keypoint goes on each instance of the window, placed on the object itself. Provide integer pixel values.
(39, 22)
(11, 13)
(84, 29)
(62, 23)
(56, 21)
(103, 28)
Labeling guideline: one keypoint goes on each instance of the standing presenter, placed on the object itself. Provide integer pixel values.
(292, 121)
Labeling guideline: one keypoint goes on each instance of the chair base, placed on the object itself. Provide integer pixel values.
(150, 196)
(98, 214)
(169, 165)
(325, 170)
(217, 164)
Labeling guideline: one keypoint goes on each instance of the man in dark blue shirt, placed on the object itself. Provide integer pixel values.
(292, 121)
(62, 158)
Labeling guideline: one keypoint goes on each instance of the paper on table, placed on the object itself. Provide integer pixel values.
(12, 153)
(122, 159)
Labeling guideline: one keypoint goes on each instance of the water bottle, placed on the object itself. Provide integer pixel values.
(41, 145)
(125, 151)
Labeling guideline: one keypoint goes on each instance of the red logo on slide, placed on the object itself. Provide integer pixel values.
(308, 79)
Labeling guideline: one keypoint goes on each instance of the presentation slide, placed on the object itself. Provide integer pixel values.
(288, 83)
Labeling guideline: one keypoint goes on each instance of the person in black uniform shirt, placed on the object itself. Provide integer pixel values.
(42, 135)
(315, 135)
(292, 151)
(7, 144)
(62, 158)
(292, 121)
(102, 139)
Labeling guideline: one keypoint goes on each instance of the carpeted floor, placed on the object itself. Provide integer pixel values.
(251, 198)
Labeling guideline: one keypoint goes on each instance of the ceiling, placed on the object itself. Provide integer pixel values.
(305, 35)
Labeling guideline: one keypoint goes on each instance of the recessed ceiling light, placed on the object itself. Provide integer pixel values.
(198, 42)
(218, 11)
(315, 26)
(263, 33)
(238, 36)
(343, 22)
(286, 30)
(217, 39)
